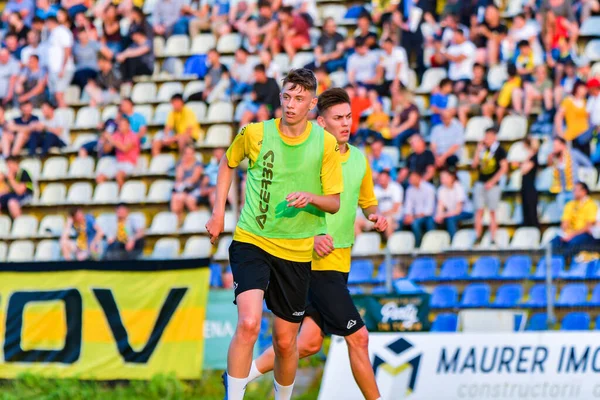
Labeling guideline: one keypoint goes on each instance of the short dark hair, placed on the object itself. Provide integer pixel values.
(360, 41)
(523, 43)
(12, 158)
(562, 140)
(492, 129)
(127, 99)
(415, 172)
(74, 210)
(584, 186)
(121, 204)
(36, 20)
(264, 3)
(511, 69)
(445, 82)
(34, 56)
(52, 18)
(332, 97)
(461, 31)
(260, 68)
(177, 96)
(49, 103)
(25, 102)
(286, 10)
(302, 77)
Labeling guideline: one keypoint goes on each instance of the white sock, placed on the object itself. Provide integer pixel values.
(236, 387)
(254, 372)
(283, 392)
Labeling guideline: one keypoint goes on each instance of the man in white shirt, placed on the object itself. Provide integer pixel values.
(362, 65)
(461, 55)
(419, 206)
(394, 65)
(389, 196)
(61, 67)
(54, 128)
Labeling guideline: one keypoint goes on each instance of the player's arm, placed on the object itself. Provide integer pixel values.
(368, 202)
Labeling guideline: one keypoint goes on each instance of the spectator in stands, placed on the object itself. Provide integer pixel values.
(25, 8)
(33, 47)
(101, 147)
(43, 10)
(323, 79)
(104, 89)
(242, 74)
(127, 243)
(419, 206)
(452, 203)
(558, 22)
(442, 99)
(21, 188)
(23, 131)
(181, 129)
(490, 161)
(111, 29)
(524, 61)
(54, 131)
(166, 15)
(488, 36)
(364, 32)
(473, 100)
(32, 83)
(127, 150)
(85, 52)
(538, 94)
(137, 121)
(198, 20)
(573, 112)
(187, 180)
(293, 32)
(359, 102)
(377, 123)
(11, 43)
(420, 160)
(205, 194)
(330, 48)
(263, 29)
(566, 163)
(216, 79)
(509, 90)
(138, 23)
(138, 58)
(389, 196)
(380, 161)
(18, 28)
(362, 66)
(593, 109)
(393, 65)
(447, 140)
(406, 119)
(529, 194)
(461, 55)
(578, 219)
(273, 70)
(81, 238)
(265, 102)
(9, 71)
(60, 61)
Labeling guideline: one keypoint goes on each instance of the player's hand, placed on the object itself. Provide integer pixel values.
(214, 227)
(323, 245)
(299, 199)
(381, 223)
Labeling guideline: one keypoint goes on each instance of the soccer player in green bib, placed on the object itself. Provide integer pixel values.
(294, 178)
(331, 309)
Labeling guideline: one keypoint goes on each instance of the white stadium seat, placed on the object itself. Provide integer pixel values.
(106, 193)
(195, 222)
(513, 127)
(229, 43)
(54, 193)
(158, 45)
(230, 221)
(202, 43)
(192, 88)
(367, 244)
(3, 251)
(526, 238)
(514, 181)
(549, 234)
(81, 139)
(431, 78)
(464, 177)
(166, 249)
(552, 213)
(543, 180)
(218, 136)
(109, 112)
(167, 90)
(401, 243)
(590, 27)
(47, 250)
(476, 127)
(133, 191)
(67, 115)
(144, 92)
(160, 114)
(108, 223)
(435, 242)
(335, 11)
(592, 50)
(87, 118)
(55, 168)
(220, 112)
(139, 217)
(72, 95)
(199, 109)
(80, 193)
(463, 239)
(20, 251)
(161, 164)
(145, 110)
(302, 59)
(589, 176)
(517, 152)
(82, 168)
(496, 77)
(197, 247)
(222, 252)
(160, 191)
(24, 226)
(501, 242)
(164, 223)
(33, 166)
(5, 225)
(177, 45)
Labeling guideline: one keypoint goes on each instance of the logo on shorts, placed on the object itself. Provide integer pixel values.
(298, 313)
(351, 323)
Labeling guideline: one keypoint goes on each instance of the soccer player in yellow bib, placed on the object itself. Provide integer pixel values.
(294, 178)
(331, 309)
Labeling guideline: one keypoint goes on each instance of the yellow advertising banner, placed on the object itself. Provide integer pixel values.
(103, 324)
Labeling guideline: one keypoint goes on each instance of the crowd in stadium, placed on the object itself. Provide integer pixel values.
(499, 67)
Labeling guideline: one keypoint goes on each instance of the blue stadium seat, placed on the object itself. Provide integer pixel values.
(444, 296)
(215, 275)
(577, 270)
(508, 295)
(380, 277)
(573, 295)
(537, 322)
(406, 286)
(598, 323)
(446, 322)
(516, 267)
(422, 269)
(455, 268)
(557, 265)
(594, 270)
(575, 321)
(355, 290)
(379, 290)
(537, 296)
(354, 12)
(476, 295)
(361, 271)
(595, 300)
(485, 268)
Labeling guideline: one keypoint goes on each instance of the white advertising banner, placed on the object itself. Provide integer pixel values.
(427, 366)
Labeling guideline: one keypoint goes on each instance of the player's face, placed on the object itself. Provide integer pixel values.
(296, 103)
(337, 120)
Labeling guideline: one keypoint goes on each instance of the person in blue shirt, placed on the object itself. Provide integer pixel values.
(442, 99)
(137, 121)
(380, 161)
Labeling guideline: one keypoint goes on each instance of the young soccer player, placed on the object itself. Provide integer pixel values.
(331, 310)
(295, 176)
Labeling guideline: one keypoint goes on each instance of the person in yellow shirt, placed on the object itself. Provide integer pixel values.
(182, 127)
(294, 179)
(571, 119)
(331, 309)
(579, 216)
(509, 92)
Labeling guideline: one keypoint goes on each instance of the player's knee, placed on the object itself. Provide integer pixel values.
(359, 340)
(310, 347)
(284, 345)
(248, 329)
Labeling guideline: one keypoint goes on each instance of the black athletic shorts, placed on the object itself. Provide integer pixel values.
(330, 304)
(284, 282)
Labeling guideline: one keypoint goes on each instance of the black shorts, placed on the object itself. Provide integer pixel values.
(330, 304)
(284, 282)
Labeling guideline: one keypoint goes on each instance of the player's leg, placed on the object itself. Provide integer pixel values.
(360, 363)
(310, 341)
